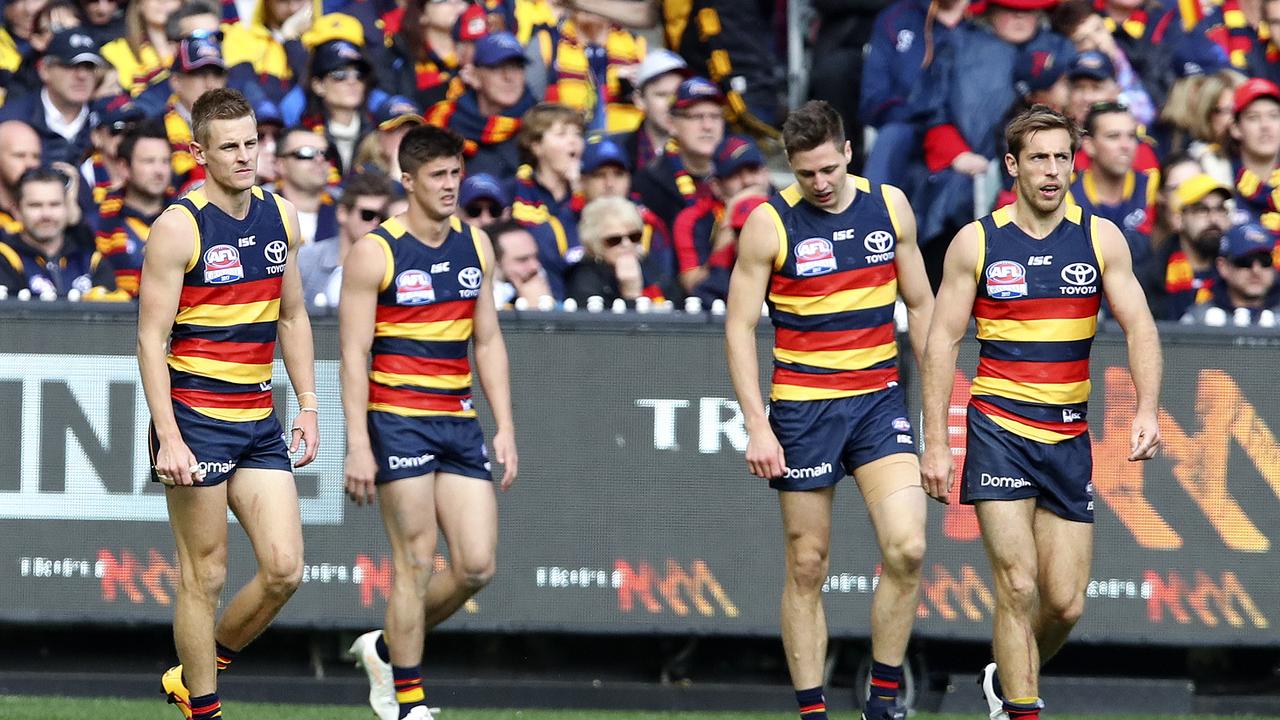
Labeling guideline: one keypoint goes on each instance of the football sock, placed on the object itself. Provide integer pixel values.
(409, 692)
(1024, 708)
(813, 704)
(225, 656)
(206, 707)
(384, 653)
(886, 680)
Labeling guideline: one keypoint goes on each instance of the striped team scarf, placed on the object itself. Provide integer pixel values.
(685, 183)
(463, 117)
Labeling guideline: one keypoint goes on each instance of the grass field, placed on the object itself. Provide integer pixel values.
(49, 708)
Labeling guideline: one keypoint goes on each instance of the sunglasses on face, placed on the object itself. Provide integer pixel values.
(616, 240)
(369, 215)
(475, 210)
(345, 74)
(1253, 260)
(305, 153)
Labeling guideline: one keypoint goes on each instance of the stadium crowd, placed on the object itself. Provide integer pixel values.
(606, 168)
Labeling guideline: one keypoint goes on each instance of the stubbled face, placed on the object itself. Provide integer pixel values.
(230, 153)
(43, 211)
(1042, 170)
(1251, 276)
(1114, 143)
(1205, 222)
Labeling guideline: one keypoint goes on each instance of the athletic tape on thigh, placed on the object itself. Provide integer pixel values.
(881, 478)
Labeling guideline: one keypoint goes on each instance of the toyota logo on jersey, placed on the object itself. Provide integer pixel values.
(413, 287)
(222, 265)
(814, 257)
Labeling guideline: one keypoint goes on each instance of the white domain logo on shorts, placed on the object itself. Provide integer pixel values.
(809, 472)
(1006, 482)
(396, 462)
(216, 468)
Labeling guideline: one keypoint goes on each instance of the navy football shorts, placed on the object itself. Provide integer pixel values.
(222, 446)
(408, 446)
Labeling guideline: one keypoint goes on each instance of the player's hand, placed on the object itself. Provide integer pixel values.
(504, 451)
(305, 432)
(361, 470)
(937, 472)
(176, 465)
(764, 455)
(970, 163)
(1145, 441)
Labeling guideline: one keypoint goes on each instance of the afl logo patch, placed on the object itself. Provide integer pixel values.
(470, 277)
(1006, 280)
(222, 265)
(814, 257)
(413, 287)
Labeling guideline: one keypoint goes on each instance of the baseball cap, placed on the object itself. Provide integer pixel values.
(268, 113)
(482, 186)
(497, 48)
(735, 153)
(333, 26)
(1197, 188)
(1198, 57)
(471, 25)
(115, 113)
(1255, 89)
(659, 62)
(335, 55)
(1037, 70)
(198, 52)
(1244, 240)
(1093, 65)
(695, 90)
(603, 151)
(743, 209)
(396, 111)
(73, 47)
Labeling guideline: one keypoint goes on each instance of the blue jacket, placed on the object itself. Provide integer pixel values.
(53, 147)
(895, 60)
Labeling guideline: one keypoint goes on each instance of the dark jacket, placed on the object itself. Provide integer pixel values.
(895, 60)
(54, 147)
(78, 266)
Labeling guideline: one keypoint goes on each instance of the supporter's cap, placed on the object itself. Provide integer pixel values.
(482, 186)
(471, 25)
(695, 90)
(735, 153)
(1198, 57)
(1197, 188)
(396, 111)
(196, 53)
(1037, 70)
(497, 48)
(73, 47)
(743, 209)
(1017, 4)
(335, 55)
(1093, 65)
(333, 26)
(1255, 89)
(603, 151)
(659, 62)
(1245, 240)
(115, 113)
(268, 113)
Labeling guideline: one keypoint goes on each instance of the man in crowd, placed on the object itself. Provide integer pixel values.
(1182, 272)
(19, 152)
(1110, 187)
(1257, 135)
(1248, 276)
(659, 75)
(125, 218)
(520, 273)
(362, 208)
(680, 174)
(304, 175)
(482, 201)
(59, 113)
(196, 69)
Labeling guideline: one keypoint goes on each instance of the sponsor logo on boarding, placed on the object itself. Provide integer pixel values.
(1080, 278)
(815, 256)
(413, 287)
(470, 277)
(1007, 482)
(396, 462)
(804, 473)
(902, 424)
(1006, 280)
(222, 265)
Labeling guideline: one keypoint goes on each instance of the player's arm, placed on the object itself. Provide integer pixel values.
(1129, 306)
(491, 362)
(913, 282)
(950, 318)
(363, 273)
(298, 349)
(757, 249)
(171, 248)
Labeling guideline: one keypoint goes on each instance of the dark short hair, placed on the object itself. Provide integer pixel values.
(42, 174)
(1067, 17)
(1033, 120)
(282, 140)
(426, 143)
(217, 104)
(1106, 107)
(810, 125)
(497, 229)
(189, 9)
(371, 183)
(148, 130)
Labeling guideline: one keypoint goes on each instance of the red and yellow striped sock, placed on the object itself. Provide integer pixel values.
(409, 692)
(1024, 708)
(225, 655)
(813, 704)
(206, 707)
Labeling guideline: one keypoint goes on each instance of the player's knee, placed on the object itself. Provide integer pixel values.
(1016, 589)
(905, 556)
(1063, 610)
(474, 575)
(205, 577)
(283, 575)
(808, 567)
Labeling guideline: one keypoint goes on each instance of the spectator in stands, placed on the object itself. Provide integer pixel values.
(1247, 277)
(1110, 187)
(363, 208)
(590, 69)
(270, 125)
(1237, 27)
(145, 50)
(341, 78)
(1192, 64)
(19, 152)
(126, 216)
(427, 58)
(197, 68)
(520, 274)
(1088, 31)
(1146, 33)
(1181, 273)
(657, 78)
(1213, 118)
(268, 46)
(54, 17)
(488, 115)
(104, 19)
(110, 118)
(50, 256)
(304, 175)
(1176, 170)
(1257, 135)
(680, 174)
(393, 119)
(1265, 58)
(482, 201)
(60, 112)
(1040, 78)
(611, 231)
(550, 142)
(706, 241)
(196, 18)
(1093, 80)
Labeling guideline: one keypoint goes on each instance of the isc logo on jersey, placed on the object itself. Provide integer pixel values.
(815, 257)
(1006, 280)
(222, 265)
(413, 287)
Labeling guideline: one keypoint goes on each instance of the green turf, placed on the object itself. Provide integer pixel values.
(47, 708)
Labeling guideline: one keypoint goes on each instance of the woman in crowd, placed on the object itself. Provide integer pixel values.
(610, 230)
(145, 50)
